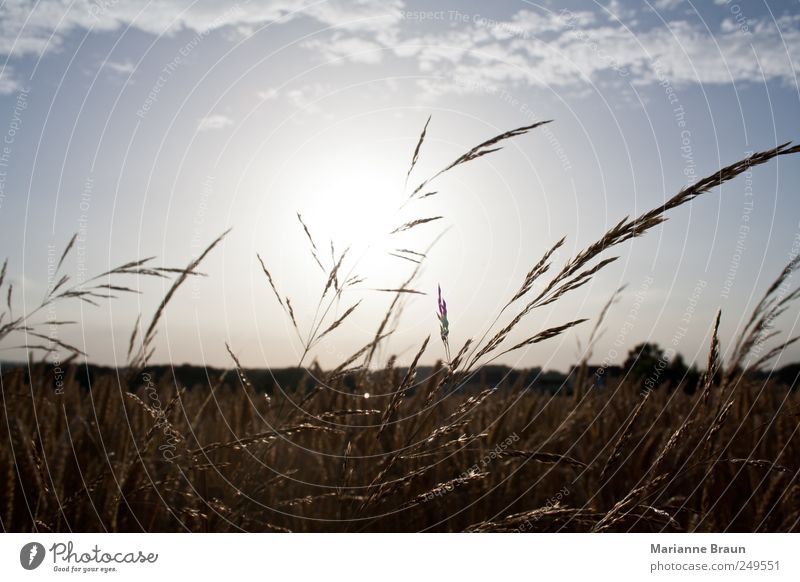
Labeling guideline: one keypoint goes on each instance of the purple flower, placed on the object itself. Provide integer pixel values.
(444, 324)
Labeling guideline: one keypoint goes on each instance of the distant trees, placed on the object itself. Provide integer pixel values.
(651, 367)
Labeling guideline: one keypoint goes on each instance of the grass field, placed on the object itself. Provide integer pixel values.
(161, 459)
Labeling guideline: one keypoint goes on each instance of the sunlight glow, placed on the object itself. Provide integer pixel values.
(355, 200)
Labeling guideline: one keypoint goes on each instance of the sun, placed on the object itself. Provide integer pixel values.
(356, 202)
(350, 190)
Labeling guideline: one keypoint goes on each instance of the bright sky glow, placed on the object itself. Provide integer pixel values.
(151, 128)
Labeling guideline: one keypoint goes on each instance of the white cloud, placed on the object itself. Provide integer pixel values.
(616, 11)
(124, 68)
(339, 49)
(579, 53)
(267, 94)
(307, 98)
(29, 27)
(358, 15)
(214, 122)
(540, 22)
(529, 48)
(8, 83)
(667, 4)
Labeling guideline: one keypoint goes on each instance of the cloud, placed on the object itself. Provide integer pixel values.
(529, 48)
(339, 49)
(214, 123)
(567, 50)
(667, 4)
(30, 27)
(304, 100)
(307, 98)
(615, 11)
(8, 83)
(358, 15)
(124, 68)
(267, 94)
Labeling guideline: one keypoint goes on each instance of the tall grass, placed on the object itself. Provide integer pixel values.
(420, 453)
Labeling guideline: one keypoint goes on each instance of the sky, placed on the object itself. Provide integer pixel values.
(149, 128)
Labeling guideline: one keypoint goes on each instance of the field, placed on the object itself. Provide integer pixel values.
(506, 459)
(380, 447)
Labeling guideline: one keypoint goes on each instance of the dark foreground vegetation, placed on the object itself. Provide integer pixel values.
(163, 458)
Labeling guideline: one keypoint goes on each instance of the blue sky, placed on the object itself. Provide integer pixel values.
(152, 127)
